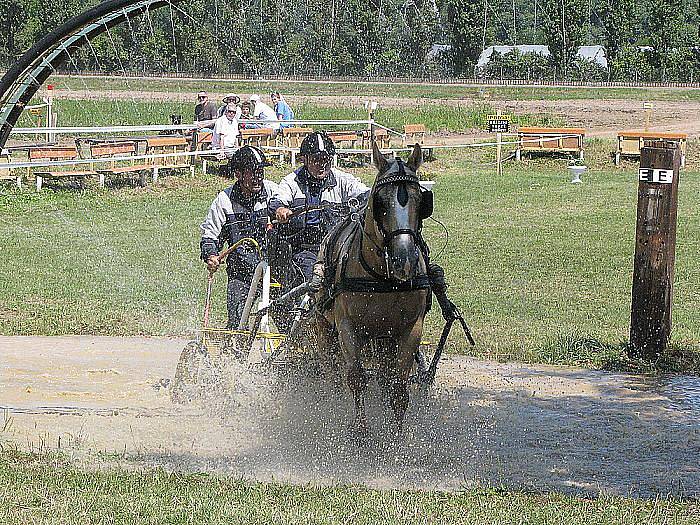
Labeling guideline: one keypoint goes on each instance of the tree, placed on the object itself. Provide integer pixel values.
(421, 19)
(667, 24)
(617, 18)
(465, 19)
(565, 23)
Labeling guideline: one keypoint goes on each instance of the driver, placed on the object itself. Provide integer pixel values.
(315, 183)
(238, 212)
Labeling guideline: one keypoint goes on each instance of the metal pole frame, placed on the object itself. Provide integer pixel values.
(21, 82)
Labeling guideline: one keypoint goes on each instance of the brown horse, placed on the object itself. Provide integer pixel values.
(377, 288)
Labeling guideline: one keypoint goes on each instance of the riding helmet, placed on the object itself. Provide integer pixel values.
(248, 158)
(317, 142)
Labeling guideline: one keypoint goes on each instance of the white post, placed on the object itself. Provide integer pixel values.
(50, 119)
(499, 137)
(264, 302)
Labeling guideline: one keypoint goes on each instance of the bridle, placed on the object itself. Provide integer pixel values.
(396, 174)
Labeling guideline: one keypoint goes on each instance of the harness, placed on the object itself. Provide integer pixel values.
(375, 282)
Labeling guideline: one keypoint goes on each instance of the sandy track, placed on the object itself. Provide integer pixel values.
(533, 427)
(602, 117)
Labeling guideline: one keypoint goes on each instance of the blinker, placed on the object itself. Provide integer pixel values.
(426, 204)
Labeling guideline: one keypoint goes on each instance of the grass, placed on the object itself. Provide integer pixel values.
(44, 489)
(374, 90)
(436, 117)
(540, 267)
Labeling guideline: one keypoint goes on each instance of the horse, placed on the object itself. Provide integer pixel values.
(376, 286)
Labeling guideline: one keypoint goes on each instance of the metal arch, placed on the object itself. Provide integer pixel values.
(21, 82)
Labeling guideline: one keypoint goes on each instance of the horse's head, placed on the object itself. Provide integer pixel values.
(397, 206)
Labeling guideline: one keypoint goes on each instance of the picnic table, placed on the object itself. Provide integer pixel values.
(630, 143)
(550, 140)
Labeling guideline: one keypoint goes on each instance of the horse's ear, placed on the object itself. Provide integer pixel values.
(379, 159)
(416, 158)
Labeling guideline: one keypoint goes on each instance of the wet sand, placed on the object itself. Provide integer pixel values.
(484, 423)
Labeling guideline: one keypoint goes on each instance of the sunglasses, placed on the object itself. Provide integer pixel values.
(230, 111)
(202, 97)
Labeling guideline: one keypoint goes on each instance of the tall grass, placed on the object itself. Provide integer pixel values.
(436, 117)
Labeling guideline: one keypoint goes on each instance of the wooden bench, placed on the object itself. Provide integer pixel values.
(201, 141)
(344, 138)
(550, 140)
(414, 133)
(107, 153)
(174, 145)
(6, 173)
(292, 137)
(630, 143)
(57, 153)
(257, 137)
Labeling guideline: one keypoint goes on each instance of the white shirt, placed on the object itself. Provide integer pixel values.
(265, 112)
(225, 133)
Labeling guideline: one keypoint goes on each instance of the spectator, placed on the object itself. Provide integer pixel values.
(247, 114)
(282, 109)
(228, 99)
(264, 112)
(226, 132)
(204, 112)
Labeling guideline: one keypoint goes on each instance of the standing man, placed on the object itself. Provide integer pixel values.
(205, 112)
(282, 109)
(315, 183)
(238, 212)
(226, 132)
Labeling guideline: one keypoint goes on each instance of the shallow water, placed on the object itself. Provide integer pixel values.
(484, 423)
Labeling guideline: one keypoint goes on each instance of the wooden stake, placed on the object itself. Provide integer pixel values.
(654, 257)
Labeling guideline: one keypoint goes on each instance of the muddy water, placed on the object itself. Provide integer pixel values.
(484, 423)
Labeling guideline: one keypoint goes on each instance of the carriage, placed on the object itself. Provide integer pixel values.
(369, 312)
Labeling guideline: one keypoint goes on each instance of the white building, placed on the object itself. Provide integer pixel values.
(593, 53)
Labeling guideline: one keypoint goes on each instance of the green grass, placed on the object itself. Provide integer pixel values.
(36, 489)
(436, 117)
(371, 89)
(540, 267)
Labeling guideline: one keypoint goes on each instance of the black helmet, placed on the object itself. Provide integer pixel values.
(317, 142)
(248, 158)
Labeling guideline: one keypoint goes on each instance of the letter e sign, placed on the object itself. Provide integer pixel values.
(657, 176)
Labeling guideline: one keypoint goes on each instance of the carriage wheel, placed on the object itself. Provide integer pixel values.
(195, 375)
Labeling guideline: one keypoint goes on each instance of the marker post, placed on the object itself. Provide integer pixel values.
(655, 249)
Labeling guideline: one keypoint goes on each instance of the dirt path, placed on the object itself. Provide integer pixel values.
(531, 427)
(601, 117)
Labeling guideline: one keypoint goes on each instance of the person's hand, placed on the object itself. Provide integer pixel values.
(283, 214)
(213, 263)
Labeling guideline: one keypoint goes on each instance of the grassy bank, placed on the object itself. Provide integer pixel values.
(45, 490)
(542, 268)
(373, 89)
(436, 117)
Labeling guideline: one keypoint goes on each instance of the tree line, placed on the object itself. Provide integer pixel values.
(645, 40)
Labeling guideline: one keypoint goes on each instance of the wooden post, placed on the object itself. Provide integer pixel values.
(655, 248)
